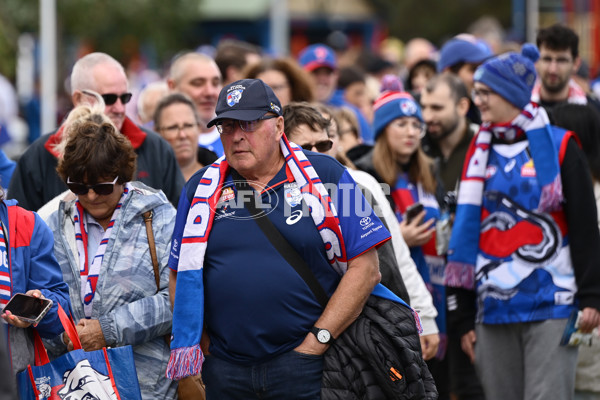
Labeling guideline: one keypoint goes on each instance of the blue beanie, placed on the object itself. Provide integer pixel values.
(511, 75)
(392, 105)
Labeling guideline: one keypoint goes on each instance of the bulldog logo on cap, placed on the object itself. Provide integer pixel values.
(234, 97)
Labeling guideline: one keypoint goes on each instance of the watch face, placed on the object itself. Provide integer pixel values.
(323, 336)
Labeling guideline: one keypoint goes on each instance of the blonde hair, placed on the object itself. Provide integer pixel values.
(386, 165)
(91, 109)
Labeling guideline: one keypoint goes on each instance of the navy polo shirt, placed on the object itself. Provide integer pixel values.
(256, 305)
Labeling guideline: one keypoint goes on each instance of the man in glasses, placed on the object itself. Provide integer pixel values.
(35, 181)
(524, 252)
(558, 63)
(231, 285)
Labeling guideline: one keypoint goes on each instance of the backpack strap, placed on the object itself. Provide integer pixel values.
(148, 220)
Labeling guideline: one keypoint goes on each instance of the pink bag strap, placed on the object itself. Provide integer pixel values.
(41, 355)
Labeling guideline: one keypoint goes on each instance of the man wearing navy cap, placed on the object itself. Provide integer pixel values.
(461, 56)
(263, 330)
(321, 62)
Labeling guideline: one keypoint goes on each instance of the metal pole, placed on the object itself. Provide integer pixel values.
(533, 18)
(279, 28)
(48, 64)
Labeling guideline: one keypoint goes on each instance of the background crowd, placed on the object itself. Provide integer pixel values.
(456, 129)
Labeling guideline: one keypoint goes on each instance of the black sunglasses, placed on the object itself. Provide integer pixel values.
(101, 189)
(321, 147)
(111, 98)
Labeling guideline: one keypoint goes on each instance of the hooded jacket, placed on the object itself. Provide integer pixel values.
(126, 303)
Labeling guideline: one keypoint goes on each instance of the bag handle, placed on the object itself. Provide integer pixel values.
(281, 244)
(41, 355)
(148, 220)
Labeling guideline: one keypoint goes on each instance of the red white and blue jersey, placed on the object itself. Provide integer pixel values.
(256, 304)
(524, 271)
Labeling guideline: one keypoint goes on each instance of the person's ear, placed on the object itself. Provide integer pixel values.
(171, 84)
(77, 97)
(279, 124)
(462, 107)
(576, 65)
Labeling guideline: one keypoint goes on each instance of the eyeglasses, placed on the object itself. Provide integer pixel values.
(101, 189)
(228, 126)
(321, 147)
(413, 123)
(483, 94)
(111, 98)
(173, 130)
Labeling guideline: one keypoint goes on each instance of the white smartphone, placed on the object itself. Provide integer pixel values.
(28, 308)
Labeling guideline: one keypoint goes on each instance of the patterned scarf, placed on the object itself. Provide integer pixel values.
(89, 273)
(464, 243)
(5, 283)
(576, 93)
(188, 314)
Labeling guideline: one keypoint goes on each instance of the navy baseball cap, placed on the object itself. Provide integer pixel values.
(462, 49)
(317, 56)
(246, 100)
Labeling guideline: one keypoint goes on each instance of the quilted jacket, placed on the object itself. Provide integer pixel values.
(378, 357)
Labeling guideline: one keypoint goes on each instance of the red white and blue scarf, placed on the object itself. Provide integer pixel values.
(89, 273)
(188, 314)
(464, 243)
(5, 283)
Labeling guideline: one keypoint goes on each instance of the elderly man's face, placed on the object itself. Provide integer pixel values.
(252, 154)
(110, 79)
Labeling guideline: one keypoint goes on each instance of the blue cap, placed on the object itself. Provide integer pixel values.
(511, 75)
(246, 100)
(393, 105)
(457, 50)
(317, 56)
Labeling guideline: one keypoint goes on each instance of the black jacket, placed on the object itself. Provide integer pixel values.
(35, 180)
(378, 357)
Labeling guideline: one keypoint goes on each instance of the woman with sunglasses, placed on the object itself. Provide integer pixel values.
(102, 246)
(398, 161)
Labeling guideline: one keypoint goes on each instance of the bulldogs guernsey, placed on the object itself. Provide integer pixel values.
(256, 305)
(524, 271)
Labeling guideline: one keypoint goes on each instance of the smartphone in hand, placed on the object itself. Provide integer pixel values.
(28, 308)
(412, 211)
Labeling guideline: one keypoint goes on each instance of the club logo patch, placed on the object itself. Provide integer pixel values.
(234, 97)
(528, 170)
(293, 196)
(408, 107)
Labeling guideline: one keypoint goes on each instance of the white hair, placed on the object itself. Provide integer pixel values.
(159, 88)
(81, 76)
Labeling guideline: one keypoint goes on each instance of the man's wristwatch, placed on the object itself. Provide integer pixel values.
(323, 335)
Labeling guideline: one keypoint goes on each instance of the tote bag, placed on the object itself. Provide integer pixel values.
(106, 374)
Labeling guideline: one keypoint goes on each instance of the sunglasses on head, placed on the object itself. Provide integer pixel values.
(111, 98)
(321, 147)
(101, 189)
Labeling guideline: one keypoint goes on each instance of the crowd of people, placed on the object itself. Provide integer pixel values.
(498, 153)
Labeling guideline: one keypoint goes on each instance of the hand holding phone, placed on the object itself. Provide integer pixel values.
(27, 308)
(413, 211)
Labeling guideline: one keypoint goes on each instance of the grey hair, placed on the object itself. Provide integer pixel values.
(176, 71)
(81, 77)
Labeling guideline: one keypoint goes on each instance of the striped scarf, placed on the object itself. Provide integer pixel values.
(188, 314)
(5, 283)
(89, 273)
(576, 93)
(464, 243)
